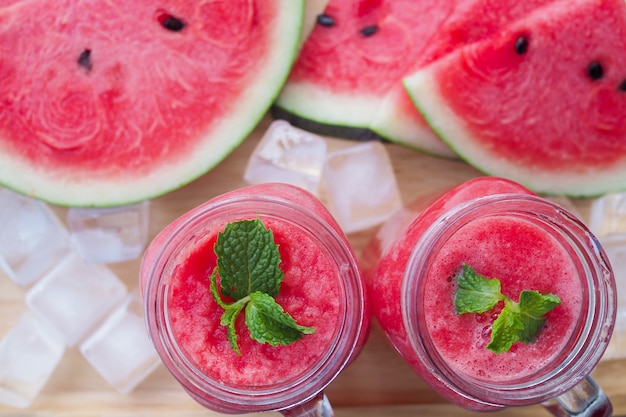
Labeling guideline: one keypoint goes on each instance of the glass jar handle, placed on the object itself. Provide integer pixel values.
(319, 406)
(584, 400)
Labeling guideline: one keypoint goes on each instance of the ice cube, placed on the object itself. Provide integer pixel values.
(359, 186)
(32, 240)
(109, 234)
(615, 249)
(288, 155)
(120, 349)
(74, 296)
(29, 353)
(607, 214)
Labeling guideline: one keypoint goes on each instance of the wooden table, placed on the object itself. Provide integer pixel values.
(378, 383)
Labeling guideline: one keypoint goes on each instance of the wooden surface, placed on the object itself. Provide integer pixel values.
(378, 383)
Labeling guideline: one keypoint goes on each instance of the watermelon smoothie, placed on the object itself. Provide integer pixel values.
(322, 288)
(502, 231)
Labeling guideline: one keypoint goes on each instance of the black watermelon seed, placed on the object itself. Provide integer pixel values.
(325, 20)
(521, 45)
(369, 30)
(168, 21)
(172, 23)
(595, 70)
(622, 86)
(84, 59)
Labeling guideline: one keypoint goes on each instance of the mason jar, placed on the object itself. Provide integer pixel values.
(501, 230)
(322, 289)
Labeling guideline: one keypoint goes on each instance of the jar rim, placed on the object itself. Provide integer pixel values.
(592, 336)
(283, 394)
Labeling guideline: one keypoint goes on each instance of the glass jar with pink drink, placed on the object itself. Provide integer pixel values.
(495, 297)
(255, 301)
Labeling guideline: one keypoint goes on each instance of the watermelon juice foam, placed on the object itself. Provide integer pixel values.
(420, 278)
(322, 290)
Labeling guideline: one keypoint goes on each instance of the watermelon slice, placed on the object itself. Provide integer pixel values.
(358, 50)
(542, 103)
(344, 78)
(113, 102)
(471, 21)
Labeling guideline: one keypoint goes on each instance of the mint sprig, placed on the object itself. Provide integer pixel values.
(248, 264)
(517, 322)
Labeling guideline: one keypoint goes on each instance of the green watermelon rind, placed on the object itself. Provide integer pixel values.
(60, 188)
(323, 129)
(422, 88)
(323, 111)
(330, 107)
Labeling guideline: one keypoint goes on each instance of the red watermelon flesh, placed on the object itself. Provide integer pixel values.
(111, 102)
(542, 103)
(344, 71)
(343, 78)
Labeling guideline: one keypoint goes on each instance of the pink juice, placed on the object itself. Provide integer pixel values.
(309, 293)
(322, 288)
(523, 257)
(503, 231)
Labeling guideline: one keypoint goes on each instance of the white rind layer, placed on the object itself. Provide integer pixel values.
(326, 106)
(396, 126)
(361, 111)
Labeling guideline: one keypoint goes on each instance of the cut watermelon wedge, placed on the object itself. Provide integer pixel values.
(113, 102)
(348, 84)
(469, 22)
(355, 54)
(542, 103)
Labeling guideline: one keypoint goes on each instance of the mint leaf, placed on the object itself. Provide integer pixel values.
(533, 306)
(231, 311)
(214, 292)
(268, 322)
(506, 328)
(517, 322)
(536, 304)
(475, 293)
(248, 265)
(229, 319)
(248, 259)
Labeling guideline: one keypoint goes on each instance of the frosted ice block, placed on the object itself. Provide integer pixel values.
(359, 186)
(289, 155)
(120, 349)
(32, 240)
(74, 296)
(109, 234)
(29, 354)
